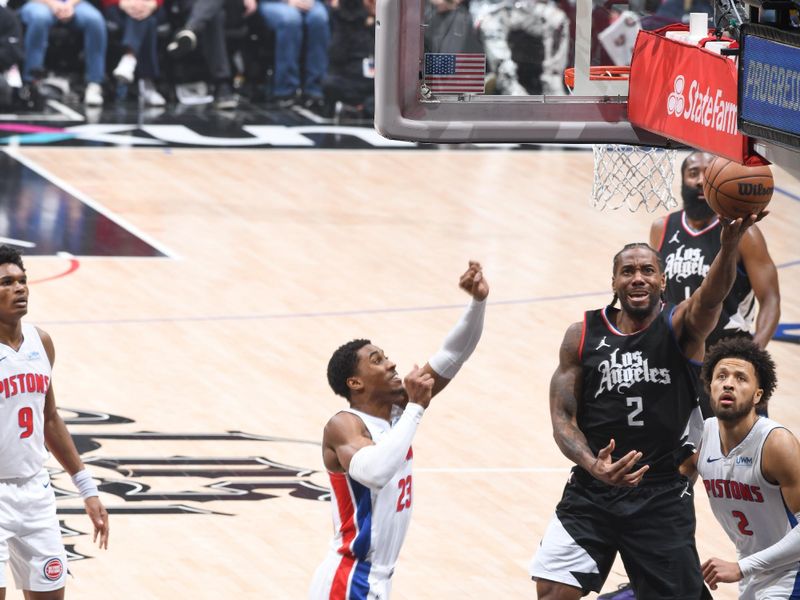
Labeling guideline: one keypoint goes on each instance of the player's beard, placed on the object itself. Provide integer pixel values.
(696, 209)
(640, 312)
(736, 414)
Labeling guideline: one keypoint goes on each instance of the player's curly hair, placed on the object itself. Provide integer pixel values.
(342, 365)
(747, 350)
(630, 246)
(11, 255)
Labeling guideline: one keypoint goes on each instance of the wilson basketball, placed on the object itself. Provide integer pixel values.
(736, 191)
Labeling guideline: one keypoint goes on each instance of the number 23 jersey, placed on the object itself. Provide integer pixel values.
(371, 525)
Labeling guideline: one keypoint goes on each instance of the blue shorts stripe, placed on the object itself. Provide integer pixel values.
(363, 508)
(359, 584)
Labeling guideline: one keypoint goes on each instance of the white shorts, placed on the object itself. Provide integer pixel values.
(30, 536)
(342, 578)
(779, 584)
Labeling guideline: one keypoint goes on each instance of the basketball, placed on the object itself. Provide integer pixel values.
(736, 191)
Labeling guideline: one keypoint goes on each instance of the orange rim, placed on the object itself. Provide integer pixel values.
(596, 73)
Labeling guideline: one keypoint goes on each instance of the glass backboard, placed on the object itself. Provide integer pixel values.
(527, 45)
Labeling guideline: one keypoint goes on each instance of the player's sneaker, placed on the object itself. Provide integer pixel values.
(623, 592)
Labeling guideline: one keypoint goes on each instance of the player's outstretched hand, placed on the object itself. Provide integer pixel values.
(419, 386)
(618, 472)
(734, 229)
(99, 516)
(716, 570)
(473, 281)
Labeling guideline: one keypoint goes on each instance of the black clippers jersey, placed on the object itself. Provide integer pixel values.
(687, 256)
(638, 389)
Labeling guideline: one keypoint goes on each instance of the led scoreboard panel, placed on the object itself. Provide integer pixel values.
(769, 84)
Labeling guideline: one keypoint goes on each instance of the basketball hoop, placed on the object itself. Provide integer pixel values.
(632, 176)
(598, 74)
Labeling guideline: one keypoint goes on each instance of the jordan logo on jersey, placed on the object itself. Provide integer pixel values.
(685, 262)
(602, 344)
(618, 373)
(674, 239)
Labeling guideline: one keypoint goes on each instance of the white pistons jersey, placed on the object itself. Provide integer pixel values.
(369, 529)
(749, 508)
(24, 381)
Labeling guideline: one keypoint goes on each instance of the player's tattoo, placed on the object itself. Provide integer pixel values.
(570, 439)
(565, 389)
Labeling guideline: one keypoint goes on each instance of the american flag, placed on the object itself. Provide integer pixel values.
(455, 73)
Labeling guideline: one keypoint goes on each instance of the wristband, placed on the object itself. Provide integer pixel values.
(86, 487)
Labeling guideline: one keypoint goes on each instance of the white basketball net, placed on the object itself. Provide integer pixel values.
(633, 176)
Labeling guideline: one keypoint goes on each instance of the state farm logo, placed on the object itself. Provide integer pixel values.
(703, 107)
(675, 100)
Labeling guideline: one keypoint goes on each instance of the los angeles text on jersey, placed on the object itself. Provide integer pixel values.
(24, 383)
(685, 262)
(727, 488)
(629, 369)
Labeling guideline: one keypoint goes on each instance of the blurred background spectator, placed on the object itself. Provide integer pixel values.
(527, 46)
(449, 28)
(39, 16)
(298, 23)
(349, 84)
(10, 56)
(138, 22)
(204, 25)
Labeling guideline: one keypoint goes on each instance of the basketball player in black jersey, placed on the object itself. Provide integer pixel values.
(620, 402)
(688, 241)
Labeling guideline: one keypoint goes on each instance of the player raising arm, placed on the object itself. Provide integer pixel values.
(367, 452)
(620, 402)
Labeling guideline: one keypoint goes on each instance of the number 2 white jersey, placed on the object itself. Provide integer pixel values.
(369, 529)
(24, 381)
(749, 508)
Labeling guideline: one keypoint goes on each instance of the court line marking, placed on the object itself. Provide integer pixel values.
(787, 193)
(74, 265)
(63, 113)
(41, 171)
(336, 313)
(458, 470)
(314, 315)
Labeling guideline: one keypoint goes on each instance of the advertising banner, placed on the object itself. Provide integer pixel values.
(688, 94)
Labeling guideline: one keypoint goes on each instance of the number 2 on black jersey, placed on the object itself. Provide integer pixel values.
(636, 402)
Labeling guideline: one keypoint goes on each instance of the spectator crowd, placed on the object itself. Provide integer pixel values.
(318, 54)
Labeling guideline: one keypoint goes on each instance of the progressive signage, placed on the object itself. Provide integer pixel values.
(769, 84)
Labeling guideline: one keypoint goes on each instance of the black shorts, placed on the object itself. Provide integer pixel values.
(652, 527)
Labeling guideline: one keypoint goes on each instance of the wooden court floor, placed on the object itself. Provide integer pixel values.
(280, 256)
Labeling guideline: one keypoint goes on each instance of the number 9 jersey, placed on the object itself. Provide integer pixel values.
(24, 381)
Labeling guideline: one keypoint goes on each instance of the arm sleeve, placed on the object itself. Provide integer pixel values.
(783, 552)
(374, 466)
(460, 342)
